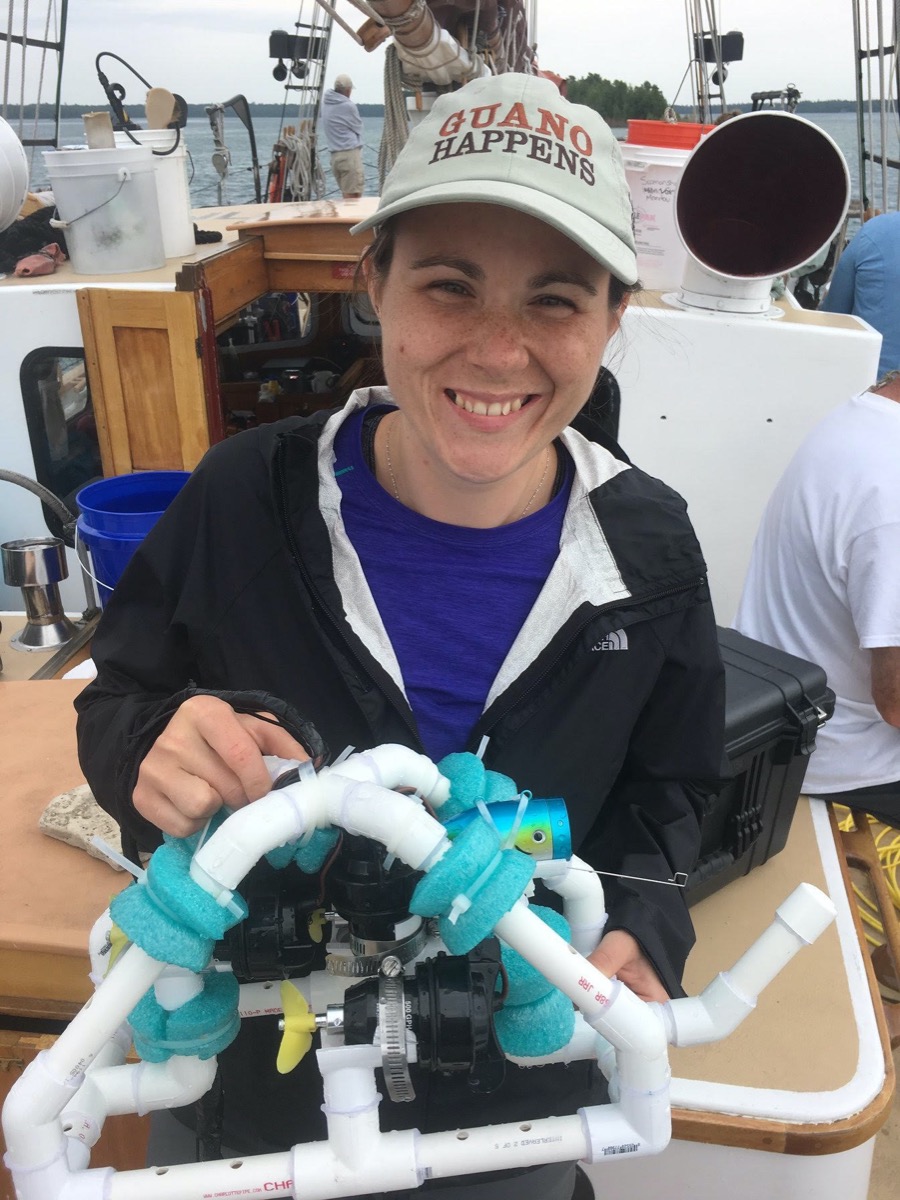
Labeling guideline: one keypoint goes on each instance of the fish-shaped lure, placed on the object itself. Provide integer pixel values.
(543, 828)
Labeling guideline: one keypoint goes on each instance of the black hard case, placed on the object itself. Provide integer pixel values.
(774, 706)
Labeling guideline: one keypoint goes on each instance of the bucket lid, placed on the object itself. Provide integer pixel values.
(119, 156)
(678, 135)
(156, 139)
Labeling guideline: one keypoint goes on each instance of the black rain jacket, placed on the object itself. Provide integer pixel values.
(612, 696)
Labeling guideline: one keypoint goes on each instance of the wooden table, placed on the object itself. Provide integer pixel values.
(50, 896)
(41, 664)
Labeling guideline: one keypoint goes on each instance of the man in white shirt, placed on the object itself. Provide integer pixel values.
(343, 133)
(824, 584)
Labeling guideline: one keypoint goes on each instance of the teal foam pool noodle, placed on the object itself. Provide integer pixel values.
(202, 1027)
(492, 879)
(541, 1027)
(524, 981)
(498, 788)
(169, 915)
(466, 775)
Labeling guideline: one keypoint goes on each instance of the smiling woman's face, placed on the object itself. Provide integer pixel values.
(493, 330)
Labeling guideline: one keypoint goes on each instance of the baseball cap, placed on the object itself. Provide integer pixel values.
(343, 81)
(515, 140)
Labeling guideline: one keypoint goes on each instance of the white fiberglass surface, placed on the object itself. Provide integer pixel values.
(865, 1084)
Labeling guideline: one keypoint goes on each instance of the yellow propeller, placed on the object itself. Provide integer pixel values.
(118, 942)
(316, 925)
(299, 1026)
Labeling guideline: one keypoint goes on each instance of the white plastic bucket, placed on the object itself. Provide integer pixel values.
(107, 201)
(13, 175)
(653, 173)
(171, 187)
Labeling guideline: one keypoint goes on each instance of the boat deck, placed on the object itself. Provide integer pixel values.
(229, 220)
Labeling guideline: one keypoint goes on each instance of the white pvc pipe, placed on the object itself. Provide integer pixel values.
(45, 1180)
(75, 1048)
(501, 1147)
(258, 1175)
(619, 1130)
(282, 816)
(30, 1115)
(81, 1119)
(98, 947)
(721, 1006)
(392, 766)
(31, 1127)
(401, 825)
(177, 986)
(288, 813)
(608, 1007)
(145, 1087)
(582, 895)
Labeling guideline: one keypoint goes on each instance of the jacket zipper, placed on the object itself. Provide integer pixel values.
(597, 612)
(317, 597)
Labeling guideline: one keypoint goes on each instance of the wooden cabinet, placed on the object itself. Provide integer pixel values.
(144, 352)
(151, 351)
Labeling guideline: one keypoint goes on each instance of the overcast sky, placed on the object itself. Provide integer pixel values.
(211, 51)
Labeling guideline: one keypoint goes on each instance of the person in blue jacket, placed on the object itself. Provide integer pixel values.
(866, 283)
(460, 559)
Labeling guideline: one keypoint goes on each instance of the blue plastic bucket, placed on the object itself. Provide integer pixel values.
(117, 513)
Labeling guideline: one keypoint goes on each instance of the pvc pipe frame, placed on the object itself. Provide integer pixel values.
(357, 1156)
(582, 896)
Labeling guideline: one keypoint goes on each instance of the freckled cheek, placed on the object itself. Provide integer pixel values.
(568, 359)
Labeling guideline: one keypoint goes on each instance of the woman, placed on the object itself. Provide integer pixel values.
(451, 558)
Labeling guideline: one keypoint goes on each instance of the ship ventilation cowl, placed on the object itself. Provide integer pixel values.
(760, 195)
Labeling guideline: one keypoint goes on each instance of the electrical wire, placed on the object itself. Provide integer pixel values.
(887, 844)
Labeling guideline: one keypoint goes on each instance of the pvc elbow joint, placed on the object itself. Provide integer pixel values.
(716, 1012)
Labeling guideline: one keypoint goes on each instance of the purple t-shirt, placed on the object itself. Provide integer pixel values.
(452, 599)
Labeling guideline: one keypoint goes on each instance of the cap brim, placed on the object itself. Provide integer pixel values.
(589, 234)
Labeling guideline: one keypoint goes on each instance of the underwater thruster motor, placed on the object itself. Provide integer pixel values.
(448, 1006)
(278, 938)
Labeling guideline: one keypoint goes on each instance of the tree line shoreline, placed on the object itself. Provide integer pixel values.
(643, 101)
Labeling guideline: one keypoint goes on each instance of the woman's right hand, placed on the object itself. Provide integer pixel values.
(208, 755)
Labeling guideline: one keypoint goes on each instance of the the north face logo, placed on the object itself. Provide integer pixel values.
(617, 640)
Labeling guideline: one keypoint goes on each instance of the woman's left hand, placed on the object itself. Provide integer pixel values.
(619, 954)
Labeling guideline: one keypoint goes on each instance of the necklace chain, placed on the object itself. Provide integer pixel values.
(534, 494)
(390, 467)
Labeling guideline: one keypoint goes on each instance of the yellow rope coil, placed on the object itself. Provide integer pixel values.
(887, 843)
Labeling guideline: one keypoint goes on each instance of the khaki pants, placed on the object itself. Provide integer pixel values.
(347, 169)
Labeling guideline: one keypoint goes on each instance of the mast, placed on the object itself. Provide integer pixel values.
(709, 48)
(295, 172)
